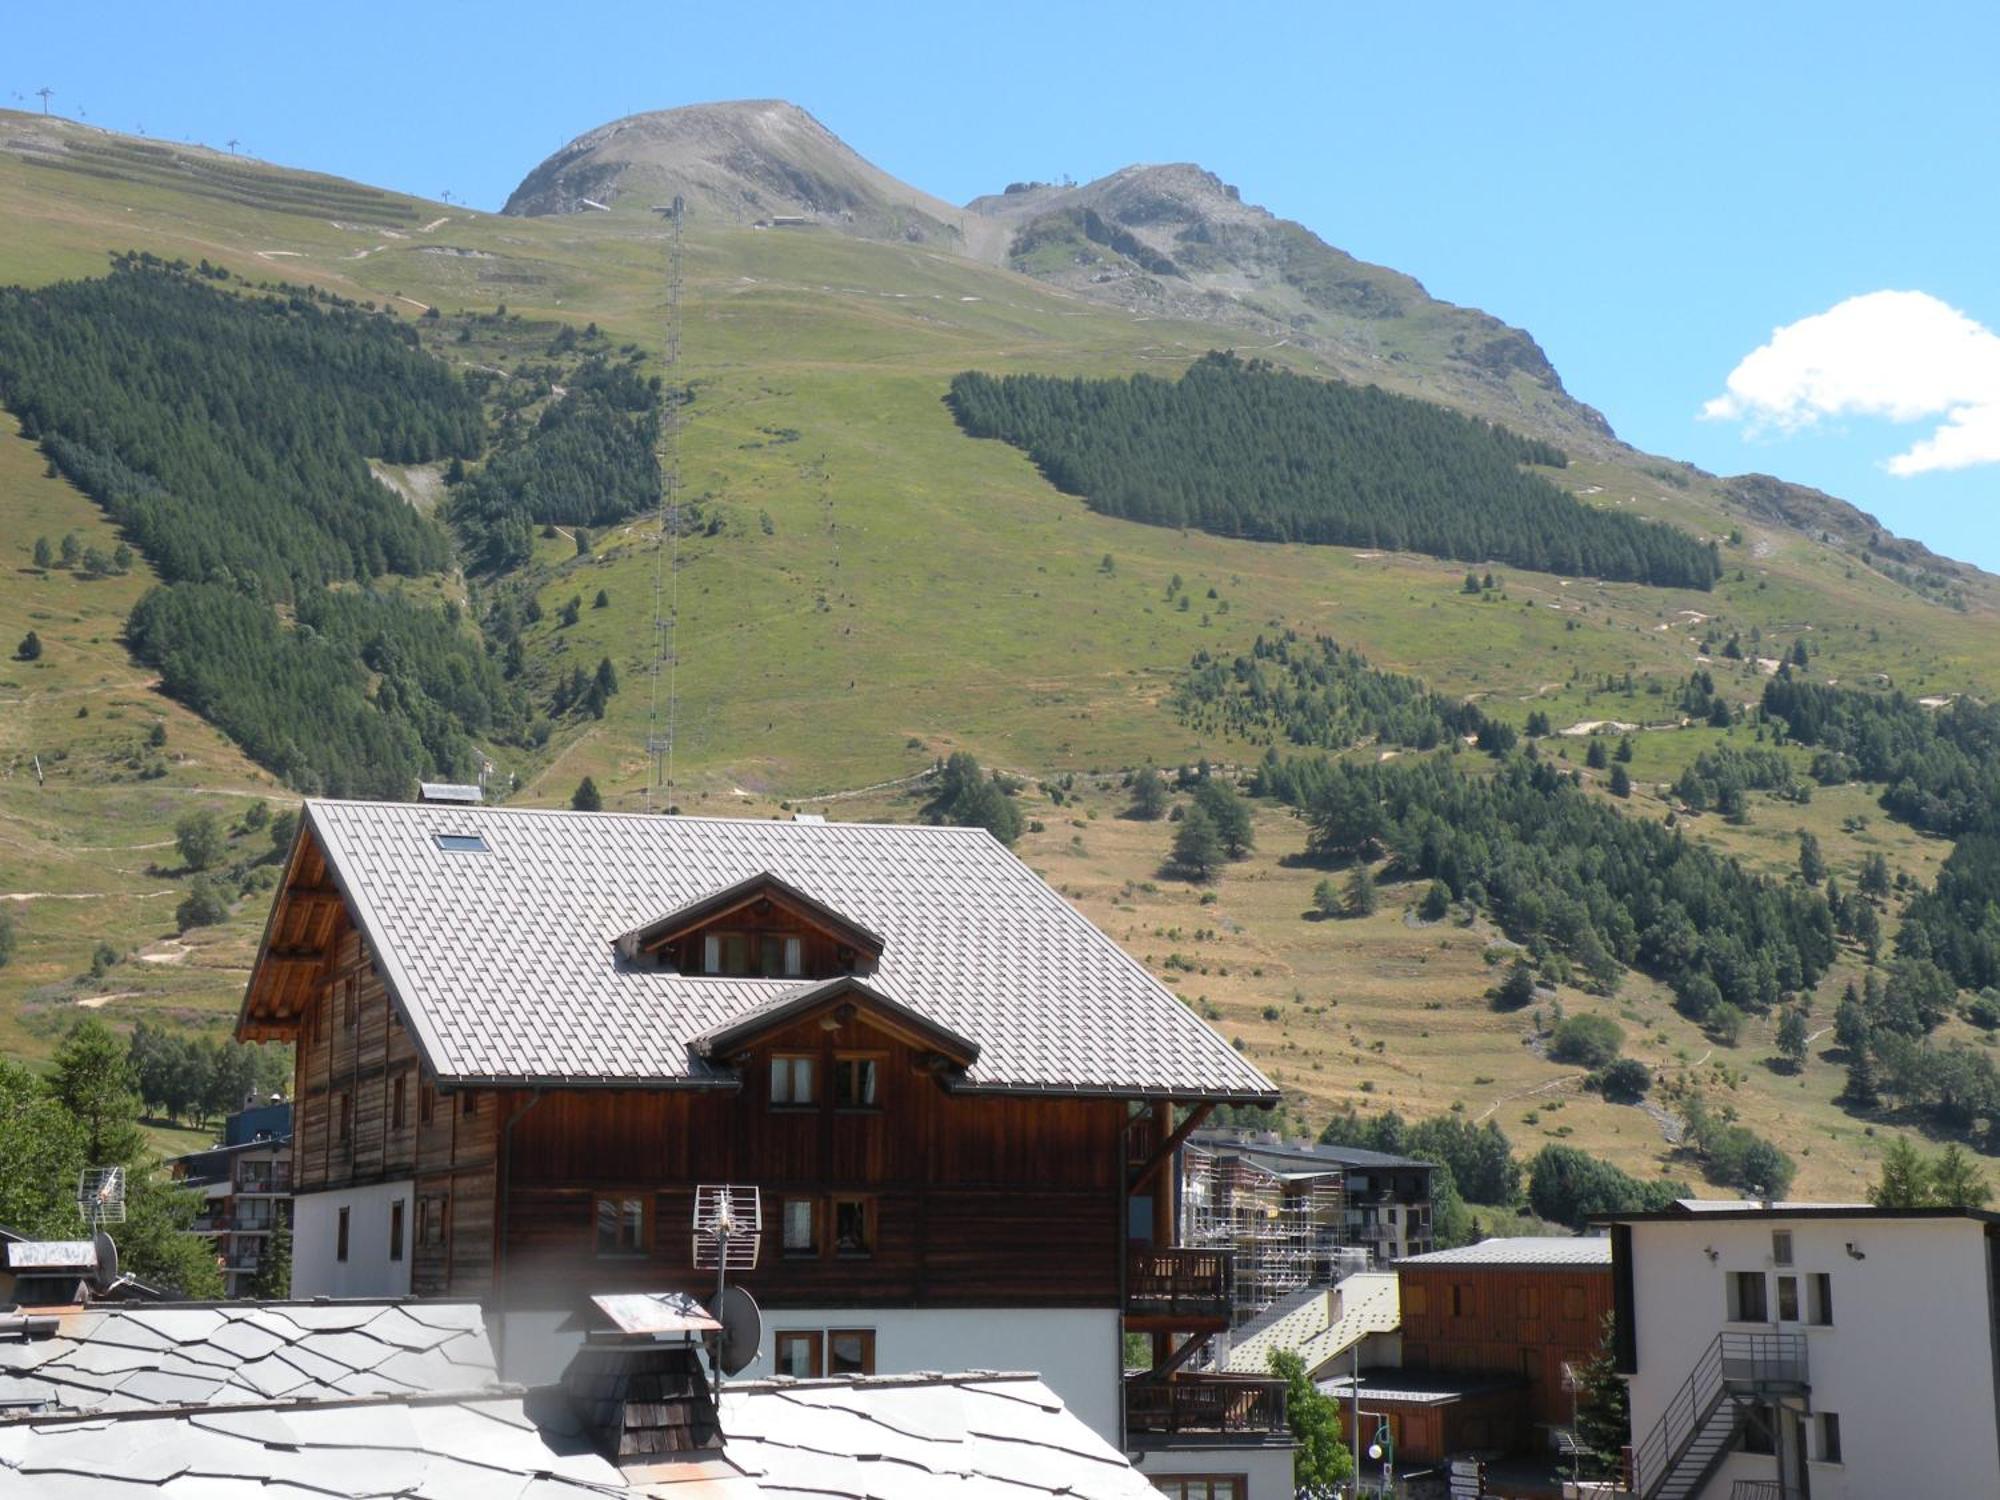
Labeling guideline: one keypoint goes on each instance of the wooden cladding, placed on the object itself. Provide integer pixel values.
(356, 1073)
(1518, 1321)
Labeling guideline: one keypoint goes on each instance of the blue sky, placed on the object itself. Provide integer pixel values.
(1651, 191)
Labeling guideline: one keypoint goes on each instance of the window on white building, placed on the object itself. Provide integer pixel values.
(1819, 1298)
(1746, 1297)
(1829, 1436)
(1781, 1247)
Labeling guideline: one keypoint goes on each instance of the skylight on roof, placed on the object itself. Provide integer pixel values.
(462, 843)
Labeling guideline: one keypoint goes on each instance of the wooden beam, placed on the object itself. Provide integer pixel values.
(1164, 1152)
(295, 956)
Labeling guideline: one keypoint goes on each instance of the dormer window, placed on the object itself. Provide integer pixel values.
(759, 928)
(766, 955)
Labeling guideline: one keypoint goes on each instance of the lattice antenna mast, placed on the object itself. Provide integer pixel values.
(667, 545)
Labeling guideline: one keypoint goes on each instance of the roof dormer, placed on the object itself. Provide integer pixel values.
(761, 928)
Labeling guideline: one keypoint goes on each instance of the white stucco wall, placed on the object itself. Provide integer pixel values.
(1907, 1363)
(1268, 1471)
(1076, 1351)
(367, 1271)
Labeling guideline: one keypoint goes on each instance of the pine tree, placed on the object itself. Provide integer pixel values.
(1862, 1090)
(1624, 752)
(1230, 815)
(1905, 1181)
(1603, 1409)
(30, 648)
(1326, 898)
(1792, 1037)
(1362, 896)
(586, 797)
(1621, 781)
(1812, 864)
(44, 554)
(1596, 756)
(1956, 1182)
(93, 1082)
(1149, 794)
(1197, 850)
(273, 1279)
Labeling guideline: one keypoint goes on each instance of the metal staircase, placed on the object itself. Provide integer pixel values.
(1699, 1426)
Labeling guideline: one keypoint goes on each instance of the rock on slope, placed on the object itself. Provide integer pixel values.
(1176, 240)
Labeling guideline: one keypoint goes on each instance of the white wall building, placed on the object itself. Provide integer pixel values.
(353, 1242)
(1810, 1351)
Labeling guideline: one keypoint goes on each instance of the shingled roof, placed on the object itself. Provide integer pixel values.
(106, 1359)
(501, 958)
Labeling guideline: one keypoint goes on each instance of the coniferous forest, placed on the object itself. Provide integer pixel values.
(228, 435)
(1315, 693)
(1561, 870)
(1246, 450)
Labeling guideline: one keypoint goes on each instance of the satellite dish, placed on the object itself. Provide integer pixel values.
(107, 1260)
(742, 1330)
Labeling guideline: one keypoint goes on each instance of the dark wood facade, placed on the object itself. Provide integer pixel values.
(964, 1199)
(1520, 1322)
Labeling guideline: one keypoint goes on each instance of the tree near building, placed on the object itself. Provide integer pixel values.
(1320, 1462)
(1603, 1410)
(586, 797)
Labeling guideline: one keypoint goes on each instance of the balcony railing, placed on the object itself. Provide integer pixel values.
(1178, 1283)
(274, 1180)
(1235, 1404)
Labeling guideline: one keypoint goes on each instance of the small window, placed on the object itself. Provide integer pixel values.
(801, 1226)
(779, 956)
(396, 1230)
(725, 953)
(791, 1080)
(346, 1121)
(1819, 1298)
(1781, 1247)
(1829, 1437)
(397, 1110)
(621, 1226)
(1461, 1300)
(854, 1226)
(468, 1105)
(850, 1351)
(427, 1098)
(1788, 1299)
(1416, 1299)
(798, 1354)
(431, 1221)
(462, 843)
(340, 1236)
(854, 1082)
(1746, 1297)
(1759, 1430)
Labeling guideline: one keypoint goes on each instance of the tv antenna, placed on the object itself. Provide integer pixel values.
(667, 545)
(100, 1196)
(728, 1231)
(44, 93)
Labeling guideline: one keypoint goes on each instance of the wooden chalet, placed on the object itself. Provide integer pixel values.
(526, 1037)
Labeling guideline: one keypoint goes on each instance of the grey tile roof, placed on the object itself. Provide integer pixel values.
(978, 1436)
(1322, 1325)
(133, 1358)
(504, 965)
(1525, 1250)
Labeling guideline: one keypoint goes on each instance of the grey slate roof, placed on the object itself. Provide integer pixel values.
(978, 1437)
(1524, 1250)
(117, 1358)
(503, 961)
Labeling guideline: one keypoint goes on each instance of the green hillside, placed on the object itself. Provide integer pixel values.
(864, 588)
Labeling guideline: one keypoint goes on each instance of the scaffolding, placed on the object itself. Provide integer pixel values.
(1286, 1230)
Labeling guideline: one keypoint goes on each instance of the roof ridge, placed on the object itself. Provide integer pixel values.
(513, 809)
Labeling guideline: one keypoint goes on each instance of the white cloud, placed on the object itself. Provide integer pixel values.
(1904, 356)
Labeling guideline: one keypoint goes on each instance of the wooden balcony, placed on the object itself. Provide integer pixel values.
(1239, 1406)
(1177, 1288)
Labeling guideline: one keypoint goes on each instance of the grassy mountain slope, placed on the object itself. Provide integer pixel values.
(870, 589)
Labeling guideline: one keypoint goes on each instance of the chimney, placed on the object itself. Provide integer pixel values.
(639, 1388)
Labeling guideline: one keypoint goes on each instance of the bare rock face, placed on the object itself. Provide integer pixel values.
(750, 162)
